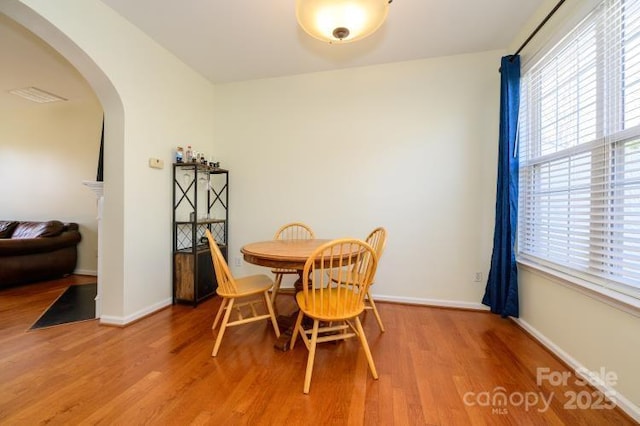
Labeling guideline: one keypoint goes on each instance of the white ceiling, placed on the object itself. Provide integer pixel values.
(235, 40)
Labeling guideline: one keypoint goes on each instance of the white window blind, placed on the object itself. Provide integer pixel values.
(579, 136)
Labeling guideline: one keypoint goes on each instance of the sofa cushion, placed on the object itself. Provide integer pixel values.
(7, 227)
(24, 230)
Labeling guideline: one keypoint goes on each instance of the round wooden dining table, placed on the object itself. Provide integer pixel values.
(283, 254)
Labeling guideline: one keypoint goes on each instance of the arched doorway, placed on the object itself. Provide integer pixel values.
(107, 95)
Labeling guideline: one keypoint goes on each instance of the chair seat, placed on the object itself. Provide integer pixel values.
(326, 309)
(249, 285)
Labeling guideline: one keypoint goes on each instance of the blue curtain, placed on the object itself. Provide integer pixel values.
(501, 294)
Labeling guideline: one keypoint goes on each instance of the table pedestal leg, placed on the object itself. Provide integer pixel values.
(288, 322)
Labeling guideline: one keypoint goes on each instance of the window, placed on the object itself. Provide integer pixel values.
(579, 139)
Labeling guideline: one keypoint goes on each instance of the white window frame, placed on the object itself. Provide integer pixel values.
(610, 140)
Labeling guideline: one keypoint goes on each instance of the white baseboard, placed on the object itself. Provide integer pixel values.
(85, 272)
(430, 302)
(122, 321)
(625, 404)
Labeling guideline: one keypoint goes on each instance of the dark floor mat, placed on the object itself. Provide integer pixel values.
(77, 303)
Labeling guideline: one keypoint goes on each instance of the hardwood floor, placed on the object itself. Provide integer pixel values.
(436, 367)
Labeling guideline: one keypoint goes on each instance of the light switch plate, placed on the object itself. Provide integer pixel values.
(156, 163)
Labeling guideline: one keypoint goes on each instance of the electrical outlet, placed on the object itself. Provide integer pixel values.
(477, 277)
(237, 261)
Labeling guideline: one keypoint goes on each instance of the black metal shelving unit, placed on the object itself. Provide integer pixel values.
(200, 202)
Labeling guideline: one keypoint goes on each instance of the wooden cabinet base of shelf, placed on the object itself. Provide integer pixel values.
(185, 281)
(184, 278)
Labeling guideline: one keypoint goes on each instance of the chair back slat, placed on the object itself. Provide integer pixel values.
(377, 239)
(226, 283)
(294, 231)
(343, 297)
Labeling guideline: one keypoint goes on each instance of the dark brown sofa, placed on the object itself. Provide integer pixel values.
(37, 251)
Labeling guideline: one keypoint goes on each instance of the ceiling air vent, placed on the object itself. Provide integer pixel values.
(36, 95)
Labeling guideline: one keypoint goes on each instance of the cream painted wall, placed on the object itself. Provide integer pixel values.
(166, 104)
(409, 146)
(584, 331)
(587, 331)
(46, 151)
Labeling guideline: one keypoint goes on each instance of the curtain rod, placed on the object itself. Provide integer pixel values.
(544, 21)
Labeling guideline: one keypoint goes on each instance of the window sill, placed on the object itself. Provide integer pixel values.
(614, 299)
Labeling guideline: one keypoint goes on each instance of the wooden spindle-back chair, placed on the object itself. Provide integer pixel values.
(290, 231)
(335, 305)
(245, 290)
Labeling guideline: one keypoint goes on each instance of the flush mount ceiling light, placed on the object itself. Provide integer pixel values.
(341, 21)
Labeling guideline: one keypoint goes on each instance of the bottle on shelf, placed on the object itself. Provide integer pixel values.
(189, 154)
